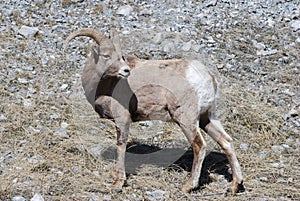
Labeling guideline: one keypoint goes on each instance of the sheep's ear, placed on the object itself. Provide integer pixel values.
(114, 36)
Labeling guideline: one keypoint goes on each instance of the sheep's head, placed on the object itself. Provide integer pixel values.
(107, 56)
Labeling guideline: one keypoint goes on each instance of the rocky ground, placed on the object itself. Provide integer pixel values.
(51, 142)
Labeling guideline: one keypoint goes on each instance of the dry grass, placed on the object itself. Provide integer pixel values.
(64, 169)
(37, 161)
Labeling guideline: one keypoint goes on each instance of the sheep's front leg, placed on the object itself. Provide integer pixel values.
(119, 171)
(107, 107)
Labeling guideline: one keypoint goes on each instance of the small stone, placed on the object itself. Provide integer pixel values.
(294, 113)
(266, 52)
(295, 25)
(169, 47)
(36, 159)
(28, 68)
(196, 48)
(158, 38)
(39, 1)
(27, 103)
(288, 92)
(262, 154)
(13, 89)
(18, 198)
(277, 148)
(54, 116)
(64, 124)
(61, 132)
(96, 150)
(124, 10)
(275, 165)
(244, 146)
(285, 146)
(107, 197)
(37, 197)
(146, 123)
(2, 117)
(23, 80)
(33, 130)
(211, 3)
(11, 74)
(257, 45)
(64, 87)
(27, 31)
(157, 195)
(187, 46)
(264, 179)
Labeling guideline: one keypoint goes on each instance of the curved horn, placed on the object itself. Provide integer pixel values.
(92, 33)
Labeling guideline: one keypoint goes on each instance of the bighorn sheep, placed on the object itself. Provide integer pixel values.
(132, 89)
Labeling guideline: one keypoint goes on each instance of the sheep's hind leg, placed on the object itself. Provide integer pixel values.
(198, 144)
(216, 131)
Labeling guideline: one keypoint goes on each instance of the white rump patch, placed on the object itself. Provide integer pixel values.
(201, 81)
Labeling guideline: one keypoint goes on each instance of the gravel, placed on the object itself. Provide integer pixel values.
(254, 46)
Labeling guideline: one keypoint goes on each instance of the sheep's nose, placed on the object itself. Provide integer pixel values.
(124, 71)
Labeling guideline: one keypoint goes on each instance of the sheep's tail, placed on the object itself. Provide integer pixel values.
(92, 33)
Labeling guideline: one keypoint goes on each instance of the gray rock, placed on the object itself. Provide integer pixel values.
(277, 148)
(55, 116)
(63, 87)
(33, 130)
(295, 25)
(23, 80)
(61, 132)
(244, 146)
(18, 198)
(37, 197)
(294, 113)
(266, 52)
(27, 103)
(263, 154)
(158, 38)
(2, 117)
(36, 159)
(264, 179)
(40, 1)
(187, 46)
(259, 46)
(27, 31)
(146, 123)
(157, 195)
(125, 10)
(28, 68)
(96, 150)
(209, 3)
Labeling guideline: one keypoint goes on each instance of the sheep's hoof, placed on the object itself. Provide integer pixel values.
(238, 188)
(118, 183)
(187, 188)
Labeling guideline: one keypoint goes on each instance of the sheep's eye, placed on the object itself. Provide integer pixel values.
(106, 56)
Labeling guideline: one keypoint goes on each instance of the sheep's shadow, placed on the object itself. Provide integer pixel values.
(174, 159)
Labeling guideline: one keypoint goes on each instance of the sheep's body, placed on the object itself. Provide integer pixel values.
(182, 91)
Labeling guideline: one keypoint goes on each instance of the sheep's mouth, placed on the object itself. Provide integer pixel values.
(124, 72)
(123, 76)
